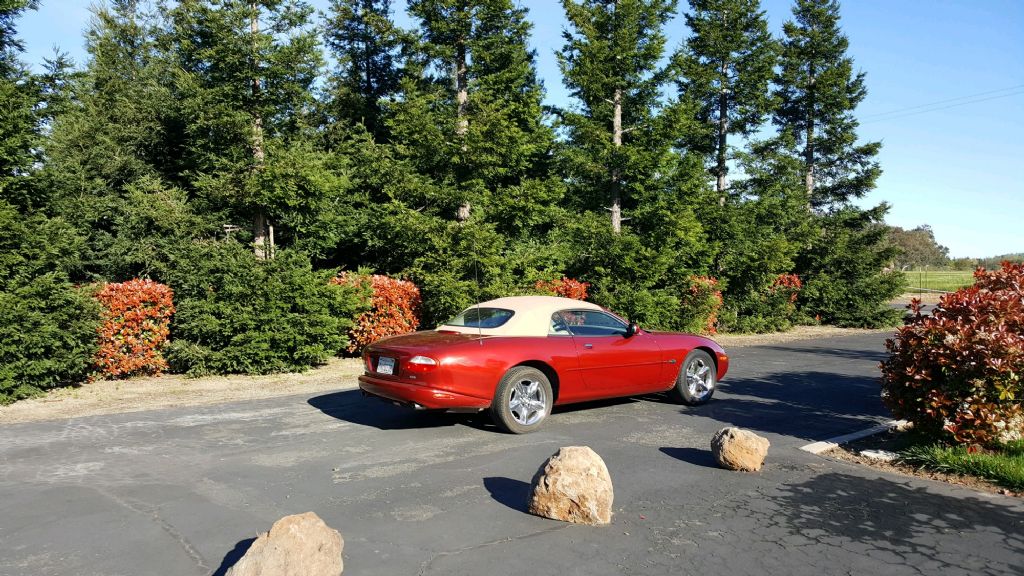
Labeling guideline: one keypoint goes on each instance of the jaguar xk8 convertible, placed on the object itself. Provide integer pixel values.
(519, 356)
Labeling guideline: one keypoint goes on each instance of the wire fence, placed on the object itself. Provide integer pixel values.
(938, 281)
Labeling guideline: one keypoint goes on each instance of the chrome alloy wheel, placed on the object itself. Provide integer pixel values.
(527, 402)
(700, 379)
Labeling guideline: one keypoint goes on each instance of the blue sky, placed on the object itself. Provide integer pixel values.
(945, 97)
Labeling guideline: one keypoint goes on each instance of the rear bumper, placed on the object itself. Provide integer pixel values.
(419, 396)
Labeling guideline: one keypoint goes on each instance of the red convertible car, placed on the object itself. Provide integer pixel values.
(521, 355)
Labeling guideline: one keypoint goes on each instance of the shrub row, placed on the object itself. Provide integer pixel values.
(136, 321)
(700, 304)
(47, 336)
(395, 308)
(232, 314)
(958, 373)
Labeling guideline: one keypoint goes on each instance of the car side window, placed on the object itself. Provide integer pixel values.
(560, 322)
(586, 323)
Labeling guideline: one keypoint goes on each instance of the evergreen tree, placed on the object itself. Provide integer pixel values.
(844, 282)
(475, 83)
(844, 267)
(469, 176)
(246, 70)
(818, 93)
(112, 138)
(726, 68)
(611, 65)
(622, 155)
(19, 123)
(366, 45)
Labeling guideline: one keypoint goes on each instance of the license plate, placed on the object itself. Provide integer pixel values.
(385, 365)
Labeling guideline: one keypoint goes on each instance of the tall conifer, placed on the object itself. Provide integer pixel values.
(366, 44)
(611, 63)
(246, 71)
(19, 123)
(726, 68)
(818, 92)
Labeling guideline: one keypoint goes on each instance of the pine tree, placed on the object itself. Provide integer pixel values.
(843, 268)
(611, 64)
(366, 43)
(19, 123)
(246, 71)
(818, 93)
(475, 81)
(726, 68)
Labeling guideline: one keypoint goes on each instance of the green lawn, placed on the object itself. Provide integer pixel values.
(1004, 466)
(945, 280)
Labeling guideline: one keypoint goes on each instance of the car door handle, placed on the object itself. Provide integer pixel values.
(588, 345)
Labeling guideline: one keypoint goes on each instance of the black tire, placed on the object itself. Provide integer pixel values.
(522, 400)
(697, 379)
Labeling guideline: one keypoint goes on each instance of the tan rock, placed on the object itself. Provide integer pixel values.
(297, 545)
(737, 449)
(573, 486)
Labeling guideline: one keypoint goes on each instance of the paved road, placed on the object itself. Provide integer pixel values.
(183, 492)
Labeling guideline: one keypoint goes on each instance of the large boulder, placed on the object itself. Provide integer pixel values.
(573, 486)
(737, 449)
(297, 545)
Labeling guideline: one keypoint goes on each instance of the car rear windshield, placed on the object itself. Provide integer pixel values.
(482, 318)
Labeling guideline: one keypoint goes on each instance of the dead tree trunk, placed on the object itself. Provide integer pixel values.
(461, 116)
(616, 184)
(723, 132)
(809, 144)
(262, 229)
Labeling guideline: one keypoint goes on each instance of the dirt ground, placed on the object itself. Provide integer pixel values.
(168, 391)
(925, 297)
(173, 390)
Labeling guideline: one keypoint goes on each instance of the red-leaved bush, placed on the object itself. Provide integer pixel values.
(135, 322)
(395, 309)
(959, 372)
(788, 285)
(566, 288)
(700, 305)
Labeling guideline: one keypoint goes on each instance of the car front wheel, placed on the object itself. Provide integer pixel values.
(697, 379)
(522, 401)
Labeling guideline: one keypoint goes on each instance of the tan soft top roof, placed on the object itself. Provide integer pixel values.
(532, 315)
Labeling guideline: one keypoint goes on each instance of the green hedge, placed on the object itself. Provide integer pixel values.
(237, 314)
(47, 336)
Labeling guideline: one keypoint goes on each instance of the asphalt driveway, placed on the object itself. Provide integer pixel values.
(184, 491)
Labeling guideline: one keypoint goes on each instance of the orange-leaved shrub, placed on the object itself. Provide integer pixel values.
(959, 372)
(395, 308)
(135, 323)
(787, 285)
(700, 304)
(565, 287)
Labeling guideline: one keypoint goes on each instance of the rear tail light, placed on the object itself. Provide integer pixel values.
(421, 364)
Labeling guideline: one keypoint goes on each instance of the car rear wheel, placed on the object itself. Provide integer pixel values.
(522, 401)
(697, 379)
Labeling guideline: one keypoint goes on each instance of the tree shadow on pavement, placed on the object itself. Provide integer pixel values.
(802, 404)
(512, 493)
(861, 514)
(234, 556)
(847, 353)
(351, 406)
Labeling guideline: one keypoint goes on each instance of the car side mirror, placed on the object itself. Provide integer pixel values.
(632, 329)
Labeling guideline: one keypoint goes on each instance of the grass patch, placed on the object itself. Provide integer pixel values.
(1004, 466)
(946, 280)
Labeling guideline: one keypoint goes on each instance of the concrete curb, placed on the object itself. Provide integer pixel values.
(826, 445)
